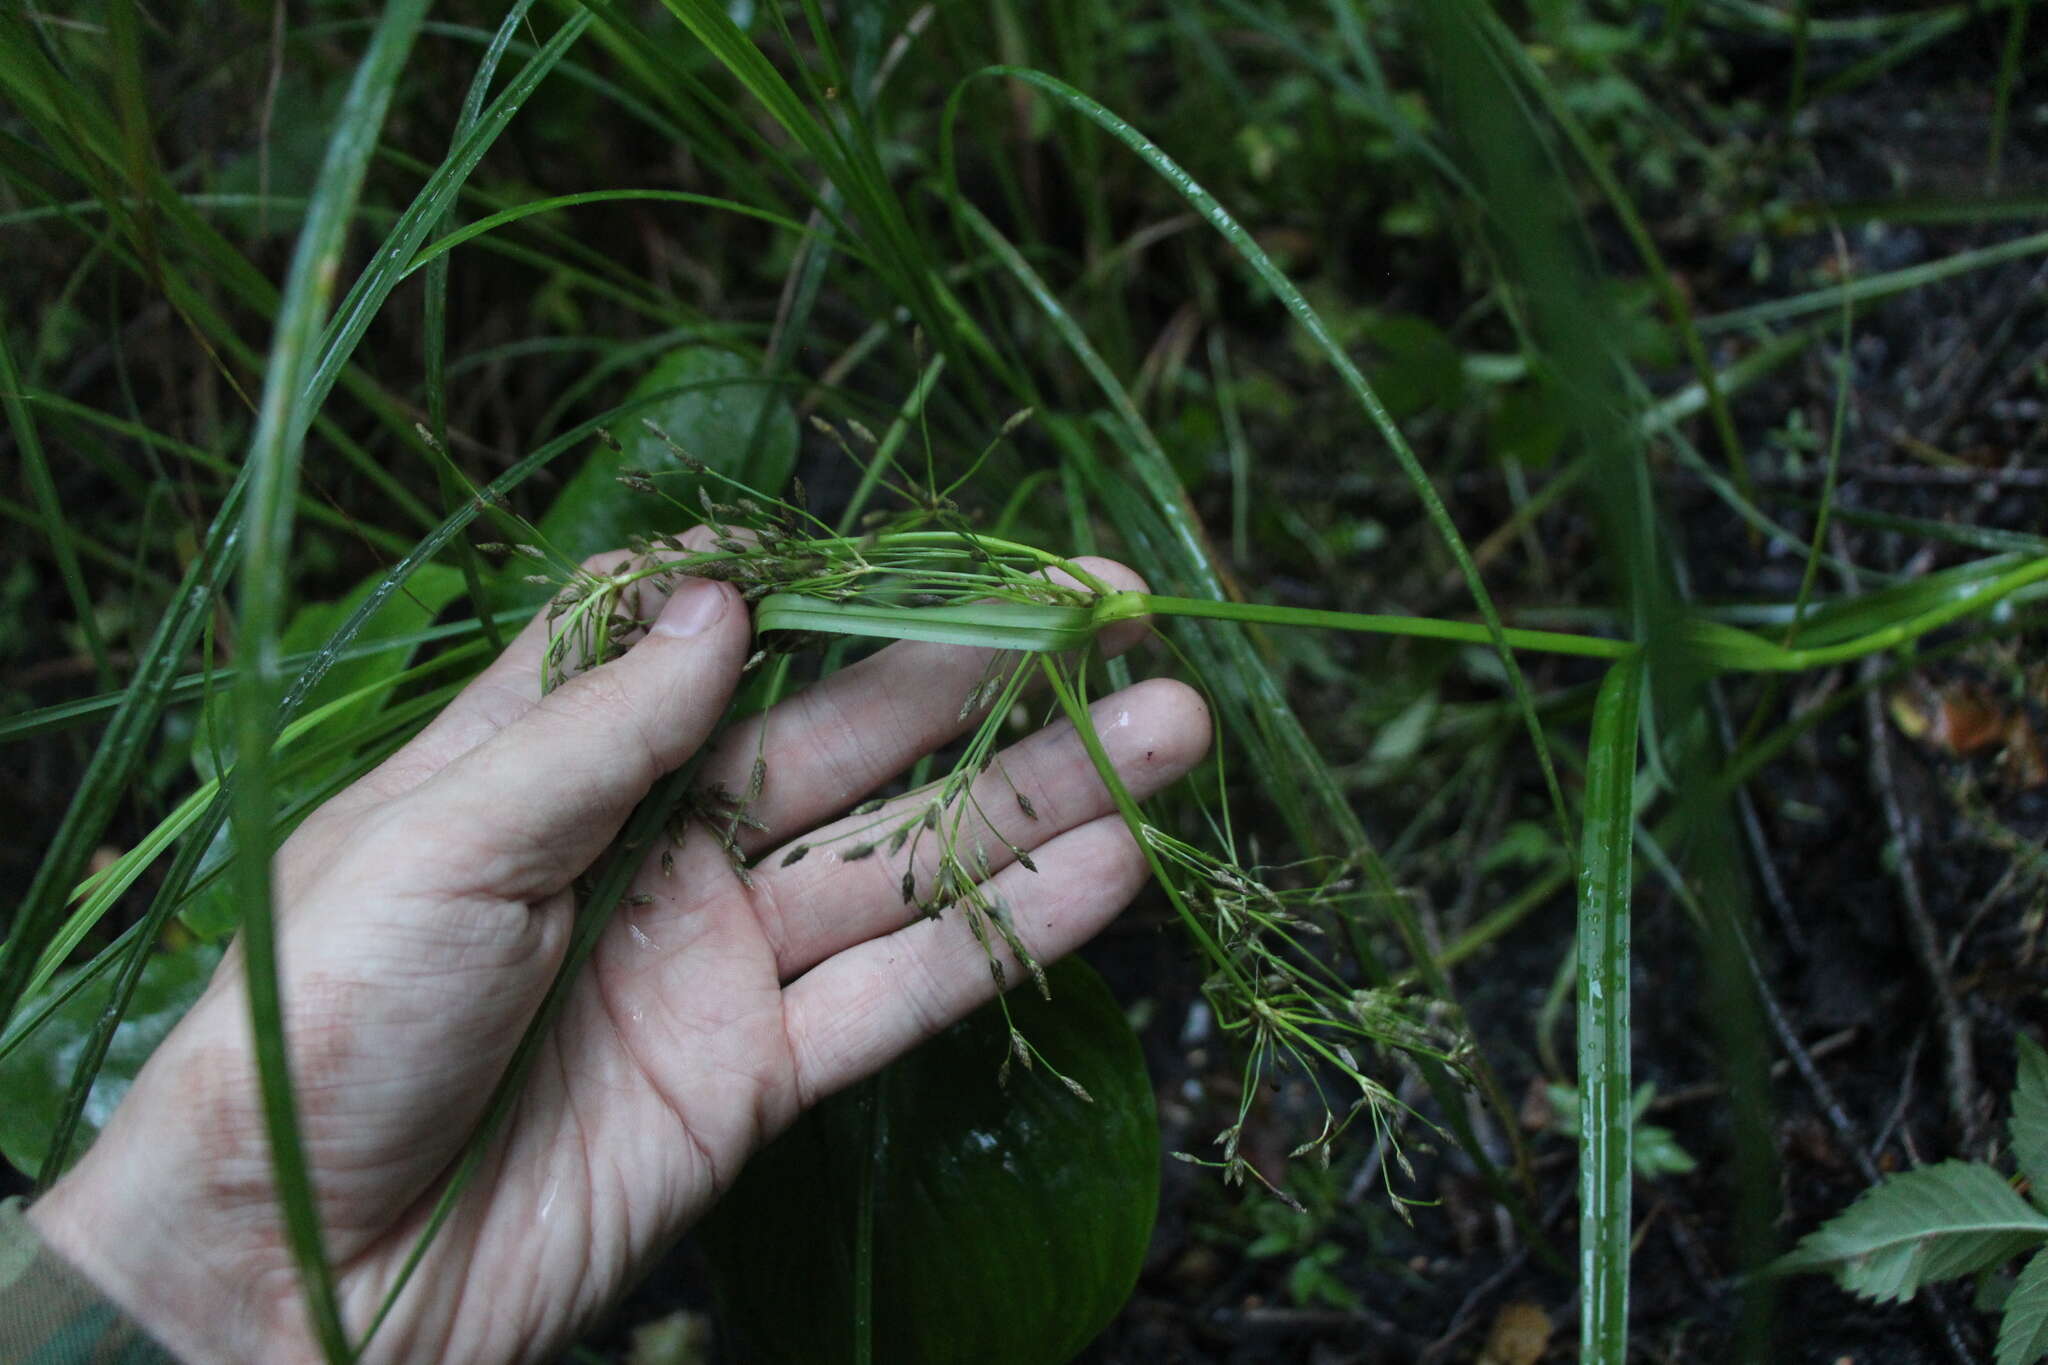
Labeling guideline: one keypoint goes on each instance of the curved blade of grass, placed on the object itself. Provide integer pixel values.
(1743, 765)
(1881, 286)
(290, 395)
(2008, 77)
(1311, 322)
(171, 892)
(441, 246)
(1907, 612)
(1845, 366)
(98, 893)
(434, 344)
(188, 686)
(392, 727)
(390, 265)
(1606, 1123)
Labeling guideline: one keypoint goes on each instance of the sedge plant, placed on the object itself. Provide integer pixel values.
(799, 149)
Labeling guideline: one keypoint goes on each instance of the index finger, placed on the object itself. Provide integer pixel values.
(505, 690)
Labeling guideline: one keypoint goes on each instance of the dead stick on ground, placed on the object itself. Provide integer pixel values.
(1955, 1027)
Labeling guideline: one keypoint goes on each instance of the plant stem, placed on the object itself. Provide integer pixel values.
(1124, 606)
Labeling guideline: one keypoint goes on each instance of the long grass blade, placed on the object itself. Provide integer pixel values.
(1605, 1120)
(394, 257)
(434, 324)
(391, 728)
(275, 449)
(1845, 366)
(2008, 77)
(190, 686)
(134, 945)
(441, 246)
(1881, 286)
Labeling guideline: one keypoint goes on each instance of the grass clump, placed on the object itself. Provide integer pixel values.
(1506, 669)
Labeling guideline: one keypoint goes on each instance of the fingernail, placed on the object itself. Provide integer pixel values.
(691, 608)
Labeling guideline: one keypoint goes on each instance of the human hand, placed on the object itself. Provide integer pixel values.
(423, 912)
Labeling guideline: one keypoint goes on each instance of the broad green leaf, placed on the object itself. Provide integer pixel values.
(2030, 1117)
(37, 1078)
(2023, 1331)
(1010, 1221)
(276, 447)
(1935, 1223)
(712, 419)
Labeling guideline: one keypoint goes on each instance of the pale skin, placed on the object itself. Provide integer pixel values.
(421, 916)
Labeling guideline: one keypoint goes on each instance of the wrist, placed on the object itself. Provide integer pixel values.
(173, 1285)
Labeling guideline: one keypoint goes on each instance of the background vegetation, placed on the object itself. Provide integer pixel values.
(1719, 311)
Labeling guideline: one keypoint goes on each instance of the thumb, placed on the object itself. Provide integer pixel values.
(529, 809)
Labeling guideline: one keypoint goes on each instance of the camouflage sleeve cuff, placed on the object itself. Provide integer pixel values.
(52, 1315)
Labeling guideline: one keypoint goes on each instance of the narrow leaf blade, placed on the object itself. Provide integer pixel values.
(1607, 1118)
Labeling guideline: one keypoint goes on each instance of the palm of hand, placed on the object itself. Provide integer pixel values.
(423, 914)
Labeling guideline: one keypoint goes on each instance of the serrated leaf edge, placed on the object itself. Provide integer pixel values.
(2023, 1326)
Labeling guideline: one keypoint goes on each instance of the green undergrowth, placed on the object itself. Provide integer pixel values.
(1357, 329)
